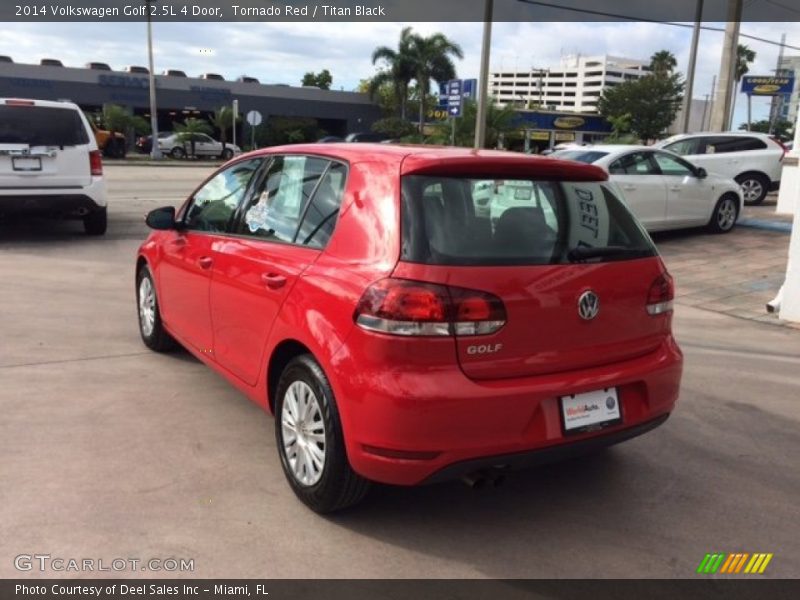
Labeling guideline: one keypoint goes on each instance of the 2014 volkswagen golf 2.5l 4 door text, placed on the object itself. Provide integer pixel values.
(400, 334)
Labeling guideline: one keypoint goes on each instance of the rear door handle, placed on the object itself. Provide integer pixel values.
(273, 280)
(179, 242)
(205, 262)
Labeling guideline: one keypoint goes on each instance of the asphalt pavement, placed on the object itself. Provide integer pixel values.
(110, 451)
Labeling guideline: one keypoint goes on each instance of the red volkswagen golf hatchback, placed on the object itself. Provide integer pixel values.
(413, 314)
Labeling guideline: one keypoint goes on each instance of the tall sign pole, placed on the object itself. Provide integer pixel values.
(155, 152)
(483, 94)
(687, 100)
(727, 70)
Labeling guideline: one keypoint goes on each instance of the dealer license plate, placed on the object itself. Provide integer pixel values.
(26, 163)
(589, 411)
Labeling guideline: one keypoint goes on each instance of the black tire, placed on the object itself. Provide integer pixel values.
(227, 154)
(158, 339)
(755, 187)
(725, 214)
(338, 485)
(96, 222)
(178, 152)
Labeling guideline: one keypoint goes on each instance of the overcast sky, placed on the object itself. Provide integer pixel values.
(282, 52)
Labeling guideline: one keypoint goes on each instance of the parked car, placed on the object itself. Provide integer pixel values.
(663, 190)
(6, 59)
(137, 70)
(111, 145)
(51, 62)
(246, 79)
(174, 73)
(98, 66)
(178, 146)
(144, 143)
(366, 136)
(352, 290)
(214, 76)
(330, 139)
(50, 164)
(754, 160)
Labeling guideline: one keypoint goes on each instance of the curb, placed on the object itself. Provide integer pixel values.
(778, 226)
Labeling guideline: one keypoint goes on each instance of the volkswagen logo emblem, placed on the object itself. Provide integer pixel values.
(588, 305)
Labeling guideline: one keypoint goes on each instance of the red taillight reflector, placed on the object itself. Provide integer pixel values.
(401, 454)
(96, 163)
(661, 295)
(20, 103)
(405, 307)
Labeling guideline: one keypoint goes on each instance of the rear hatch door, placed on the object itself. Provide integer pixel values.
(523, 252)
(42, 147)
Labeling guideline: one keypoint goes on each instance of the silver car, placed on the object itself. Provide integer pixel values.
(179, 145)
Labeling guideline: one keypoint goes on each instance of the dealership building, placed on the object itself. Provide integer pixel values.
(336, 112)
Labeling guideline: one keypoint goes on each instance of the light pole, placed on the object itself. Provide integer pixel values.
(155, 151)
(687, 103)
(483, 84)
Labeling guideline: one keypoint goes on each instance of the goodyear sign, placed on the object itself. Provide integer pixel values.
(767, 86)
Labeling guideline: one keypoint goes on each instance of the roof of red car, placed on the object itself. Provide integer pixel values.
(420, 159)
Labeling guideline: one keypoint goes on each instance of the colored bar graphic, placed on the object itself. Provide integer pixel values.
(731, 564)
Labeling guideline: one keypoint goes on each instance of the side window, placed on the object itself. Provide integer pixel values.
(213, 205)
(731, 143)
(670, 165)
(683, 147)
(637, 163)
(279, 199)
(320, 219)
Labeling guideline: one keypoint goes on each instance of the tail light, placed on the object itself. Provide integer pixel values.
(96, 163)
(415, 308)
(783, 147)
(661, 295)
(14, 102)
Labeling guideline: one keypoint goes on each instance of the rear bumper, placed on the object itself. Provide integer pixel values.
(421, 422)
(69, 203)
(543, 456)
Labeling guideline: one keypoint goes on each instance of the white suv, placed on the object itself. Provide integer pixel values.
(754, 160)
(50, 164)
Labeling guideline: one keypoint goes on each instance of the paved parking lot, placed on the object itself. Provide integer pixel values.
(111, 451)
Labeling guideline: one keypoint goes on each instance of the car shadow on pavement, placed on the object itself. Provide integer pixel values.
(42, 230)
(690, 485)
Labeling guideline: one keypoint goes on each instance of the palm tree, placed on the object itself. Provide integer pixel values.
(744, 56)
(186, 131)
(431, 57)
(399, 69)
(223, 120)
(663, 62)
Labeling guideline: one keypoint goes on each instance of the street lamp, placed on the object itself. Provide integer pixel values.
(155, 151)
(483, 100)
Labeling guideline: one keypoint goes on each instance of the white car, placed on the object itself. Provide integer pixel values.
(663, 190)
(180, 146)
(754, 160)
(50, 164)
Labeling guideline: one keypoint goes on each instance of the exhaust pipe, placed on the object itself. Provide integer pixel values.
(478, 480)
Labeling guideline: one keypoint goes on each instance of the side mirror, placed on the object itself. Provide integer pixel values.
(161, 218)
(701, 173)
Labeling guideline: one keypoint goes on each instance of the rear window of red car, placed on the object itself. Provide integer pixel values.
(462, 221)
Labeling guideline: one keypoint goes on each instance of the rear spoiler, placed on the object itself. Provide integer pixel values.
(490, 165)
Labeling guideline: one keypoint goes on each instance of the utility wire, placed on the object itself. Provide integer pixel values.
(645, 20)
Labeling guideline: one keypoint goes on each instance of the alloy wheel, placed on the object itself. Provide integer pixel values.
(147, 306)
(726, 215)
(751, 190)
(303, 433)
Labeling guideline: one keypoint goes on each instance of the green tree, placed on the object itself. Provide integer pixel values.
(394, 127)
(432, 60)
(186, 131)
(499, 121)
(649, 104)
(222, 119)
(663, 62)
(322, 80)
(397, 73)
(782, 129)
(116, 118)
(744, 56)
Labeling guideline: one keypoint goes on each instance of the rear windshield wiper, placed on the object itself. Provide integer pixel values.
(583, 253)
